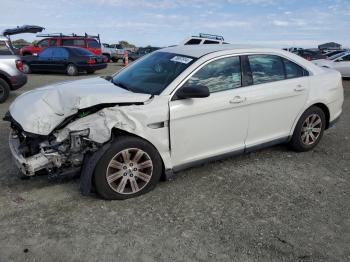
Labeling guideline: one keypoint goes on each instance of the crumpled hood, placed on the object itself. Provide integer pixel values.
(39, 111)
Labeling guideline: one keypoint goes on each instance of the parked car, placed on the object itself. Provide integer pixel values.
(176, 108)
(63, 59)
(91, 43)
(204, 39)
(11, 70)
(339, 62)
(333, 53)
(310, 54)
(141, 52)
(120, 50)
(109, 52)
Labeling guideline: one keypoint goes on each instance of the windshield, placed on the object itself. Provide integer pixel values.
(153, 73)
(336, 56)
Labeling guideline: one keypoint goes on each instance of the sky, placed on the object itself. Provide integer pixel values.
(272, 23)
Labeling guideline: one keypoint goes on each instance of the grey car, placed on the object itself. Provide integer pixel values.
(11, 75)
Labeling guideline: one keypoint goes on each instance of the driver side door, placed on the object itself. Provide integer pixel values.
(202, 128)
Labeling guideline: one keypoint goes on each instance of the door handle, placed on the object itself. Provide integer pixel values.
(238, 100)
(299, 88)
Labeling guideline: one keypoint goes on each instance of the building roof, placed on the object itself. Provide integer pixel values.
(330, 44)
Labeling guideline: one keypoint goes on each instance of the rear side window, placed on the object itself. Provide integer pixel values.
(346, 58)
(53, 42)
(293, 70)
(219, 75)
(194, 42)
(93, 43)
(266, 68)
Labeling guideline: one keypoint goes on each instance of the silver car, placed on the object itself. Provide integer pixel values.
(11, 75)
(339, 62)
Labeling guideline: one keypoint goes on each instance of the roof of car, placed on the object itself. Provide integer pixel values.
(201, 50)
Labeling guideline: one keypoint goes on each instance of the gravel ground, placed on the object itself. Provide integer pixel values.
(271, 205)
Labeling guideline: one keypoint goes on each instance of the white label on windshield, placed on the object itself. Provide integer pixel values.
(181, 59)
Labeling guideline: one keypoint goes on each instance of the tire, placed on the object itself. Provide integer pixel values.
(108, 58)
(133, 166)
(90, 72)
(115, 60)
(26, 68)
(4, 90)
(72, 70)
(309, 130)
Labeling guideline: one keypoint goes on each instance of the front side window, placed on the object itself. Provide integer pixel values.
(266, 68)
(152, 73)
(44, 43)
(60, 53)
(46, 53)
(194, 41)
(208, 42)
(93, 43)
(219, 75)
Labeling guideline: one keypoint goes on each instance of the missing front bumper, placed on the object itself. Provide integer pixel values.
(29, 165)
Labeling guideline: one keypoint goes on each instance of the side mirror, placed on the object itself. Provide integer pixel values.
(194, 91)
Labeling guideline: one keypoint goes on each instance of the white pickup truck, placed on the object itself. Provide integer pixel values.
(109, 52)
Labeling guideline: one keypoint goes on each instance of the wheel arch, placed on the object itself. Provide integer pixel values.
(5, 78)
(325, 110)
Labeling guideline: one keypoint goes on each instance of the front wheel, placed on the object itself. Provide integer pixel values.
(129, 168)
(72, 70)
(309, 129)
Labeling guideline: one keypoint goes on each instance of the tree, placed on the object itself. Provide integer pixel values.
(126, 44)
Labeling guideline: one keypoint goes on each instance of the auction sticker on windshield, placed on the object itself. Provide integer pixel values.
(181, 59)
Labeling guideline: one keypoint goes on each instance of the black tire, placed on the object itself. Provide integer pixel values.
(115, 60)
(297, 142)
(90, 72)
(4, 90)
(26, 68)
(130, 143)
(72, 70)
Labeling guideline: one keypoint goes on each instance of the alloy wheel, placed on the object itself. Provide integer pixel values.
(129, 171)
(311, 129)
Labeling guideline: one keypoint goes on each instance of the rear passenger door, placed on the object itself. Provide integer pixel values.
(276, 97)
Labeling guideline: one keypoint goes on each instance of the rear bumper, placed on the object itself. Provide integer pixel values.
(18, 81)
(92, 67)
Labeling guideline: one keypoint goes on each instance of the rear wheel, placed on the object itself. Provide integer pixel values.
(4, 90)
(309, 129)
(72, 70)
(129, 168)
(26, 68)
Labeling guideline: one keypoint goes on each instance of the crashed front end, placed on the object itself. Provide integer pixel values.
(33, 153)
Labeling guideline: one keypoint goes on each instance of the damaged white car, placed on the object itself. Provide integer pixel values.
(170, 110)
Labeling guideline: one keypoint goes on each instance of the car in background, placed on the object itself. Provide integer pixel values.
(108, 52)
(334, 52)
(63, 59)
(132, 56)
(309, 54)
(339, 62)
(120, 50)
(89, 42)
(11, 70)
(175, 108)
(204, 39)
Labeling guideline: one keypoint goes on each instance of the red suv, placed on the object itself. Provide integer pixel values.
(91, 43)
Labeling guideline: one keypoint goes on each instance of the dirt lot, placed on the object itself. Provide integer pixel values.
(271, 205)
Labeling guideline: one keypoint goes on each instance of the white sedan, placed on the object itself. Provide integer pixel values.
(339, 62)
(172, 109)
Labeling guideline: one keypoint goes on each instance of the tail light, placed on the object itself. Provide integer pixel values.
(19, 65)
(91, 61)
